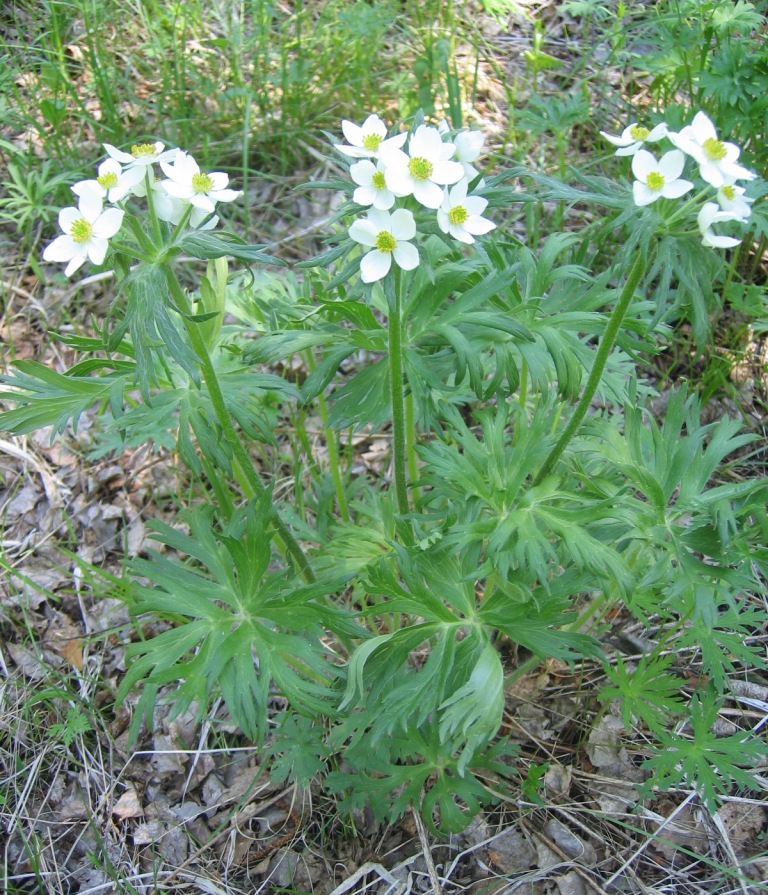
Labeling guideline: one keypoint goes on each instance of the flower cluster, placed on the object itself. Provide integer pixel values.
(184, 196)
(425, 165)
(662, 178)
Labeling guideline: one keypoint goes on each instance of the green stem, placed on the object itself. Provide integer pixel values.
(399, 449)
(130, 252)
(603, 351)
(149, 179)
(410, 431)
(219, 405)
(333, 449)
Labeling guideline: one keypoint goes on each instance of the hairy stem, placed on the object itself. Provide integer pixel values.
(399, 441)
(290, 544)
(603, 352)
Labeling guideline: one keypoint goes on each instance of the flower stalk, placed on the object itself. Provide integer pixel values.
(290, 544)
(399, 441)
(601, 358)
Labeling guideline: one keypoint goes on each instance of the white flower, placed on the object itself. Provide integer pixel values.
(387, 235)
(469, 145)
(460, 215)
(87, 231)
(710, 214)
(187, 182)
(369, 139)
(141, 154)
(372, 185)
(658, 178)
(731, 198)
(632, 137)
(717, 160)
(112, 182)
(424, 170)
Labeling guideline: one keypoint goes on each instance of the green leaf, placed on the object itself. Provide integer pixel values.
(206, 245)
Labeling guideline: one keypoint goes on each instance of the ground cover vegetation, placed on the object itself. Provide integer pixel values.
(384, 411)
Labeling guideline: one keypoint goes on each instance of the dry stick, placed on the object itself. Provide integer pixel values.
(633, 857)
(437, 888)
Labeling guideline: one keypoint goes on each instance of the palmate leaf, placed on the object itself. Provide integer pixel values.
(708, 763)
(44, 397)
(413, 769)
(650, 692)
(240, 629)
(207, 245)
(148, 319)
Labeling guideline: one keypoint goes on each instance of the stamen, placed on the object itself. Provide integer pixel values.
(420, 168)
(379, 180)
(81, 230)
(143, 150)
(655, 181)
(371, 142)
(107, 181)
(386, 242)
(458, 214)
(729, 192)
(714, 149)
(639, 133)
(201, 183)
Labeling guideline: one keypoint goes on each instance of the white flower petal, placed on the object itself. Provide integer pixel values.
(124, 157)
(643, 194)
(643, 164)
(403, 224)
(90, 205)
(475, 204)
(362, 172)
(225, 195)
(701, 129)
(364, 232)
(108, 223)
(97, 249)
(406, 255)
(478, 226)
(383, 200)
(67, 217)
(427, 193)
(468, 145)
(375, 265)
(61, 249)
(353, 132)
(75, 264)
(445, 172)
(365, 195)
(676, 188)
(671, 164)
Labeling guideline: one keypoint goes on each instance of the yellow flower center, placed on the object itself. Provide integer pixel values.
(81, 230)
(386, 242)
(371, 142)
(655, 181)
(107, 181)
(201, 183)
(420, 168)
(639, 133)
(458, 214)
(729, 192)
(714, 149)
(143, 150)
(378, 180)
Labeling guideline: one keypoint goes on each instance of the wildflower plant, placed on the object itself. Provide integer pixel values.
(376, 609)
